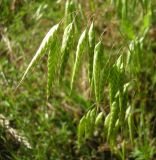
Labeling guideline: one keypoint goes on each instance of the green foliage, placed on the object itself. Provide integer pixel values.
(100, 68)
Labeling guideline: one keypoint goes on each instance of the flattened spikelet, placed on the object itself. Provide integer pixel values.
(52, 66)
(114, 83)
(42, 49)
(113, 118)
(90, 122)
(87, 125)
(81, 130)
(79, 53)
(97, 70)
(66, 36)
(106, 123)
(99, 119)
(91, 37)
(67, 12)
(66, 45)
(103, 78)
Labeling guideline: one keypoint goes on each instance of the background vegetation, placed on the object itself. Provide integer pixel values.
(48, 129)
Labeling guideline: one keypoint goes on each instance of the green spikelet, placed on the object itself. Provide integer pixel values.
(114, 82)
(91, 37)
(79, 53)
(135, 56)
(68, 33)
(65, 49)
(115, 131)
(119, 63)
(81, 131)
(93, 114)
(52, 66)
(123, 99)
(68, 10)
(70, 13)
(106, 124)
(80, 8)
(117, 125)
(87, 125)
(113, 118)
(105, 70)
(48, 39)
(99, 119)
(90, 123)
(98, 53)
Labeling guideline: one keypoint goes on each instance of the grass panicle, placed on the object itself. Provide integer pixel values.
(79, 54)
